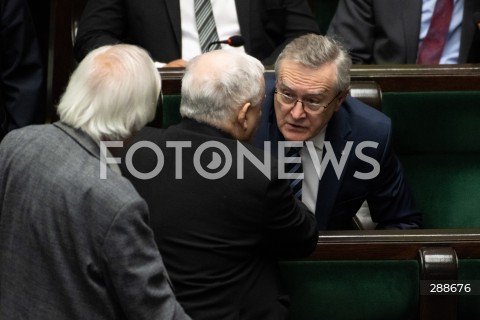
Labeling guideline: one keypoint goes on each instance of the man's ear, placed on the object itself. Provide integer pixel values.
(243, 115)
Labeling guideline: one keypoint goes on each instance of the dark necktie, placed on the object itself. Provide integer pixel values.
(295, 183)
(207, 31)
(432, 46)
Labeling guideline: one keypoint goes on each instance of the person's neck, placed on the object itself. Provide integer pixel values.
(228, 127)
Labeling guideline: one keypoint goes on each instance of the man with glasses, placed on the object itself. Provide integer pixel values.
(346, 150)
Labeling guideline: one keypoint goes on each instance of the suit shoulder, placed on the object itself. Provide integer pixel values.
(361, 112)
(364, 122)
(148, 134)
(26, 133)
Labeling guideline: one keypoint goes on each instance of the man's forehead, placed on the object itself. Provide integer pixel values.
(294, 75)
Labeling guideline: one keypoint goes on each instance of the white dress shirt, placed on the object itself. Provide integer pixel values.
(311, 170)
(226, 20)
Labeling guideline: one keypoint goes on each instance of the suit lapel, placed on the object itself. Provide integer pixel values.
(337, 134)
(268, 129)
(173, 8)
(243, 13)
(468, 28)
(411, 17)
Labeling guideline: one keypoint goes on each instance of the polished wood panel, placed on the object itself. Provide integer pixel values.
(420, 78)
(396, 78)
(394, 244)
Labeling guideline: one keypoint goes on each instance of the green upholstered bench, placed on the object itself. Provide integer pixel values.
(375, 275)
(349, 289)
(469, 305)
(437, 137)
(378, 274)
(171, 110)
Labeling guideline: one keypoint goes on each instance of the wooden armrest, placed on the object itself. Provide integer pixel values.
(394, 244)
(369, 92)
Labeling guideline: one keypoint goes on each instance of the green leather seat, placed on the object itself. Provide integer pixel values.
(469, 305)
(384, 289)
(437, 137)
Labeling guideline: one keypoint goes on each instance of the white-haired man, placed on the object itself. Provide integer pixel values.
(74, 245)
(221, 222)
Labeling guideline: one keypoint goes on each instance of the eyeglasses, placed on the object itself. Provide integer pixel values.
(310, 103)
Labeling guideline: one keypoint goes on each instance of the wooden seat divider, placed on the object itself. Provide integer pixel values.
(438, 263)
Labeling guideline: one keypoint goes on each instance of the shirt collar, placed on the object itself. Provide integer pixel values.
(319, 139)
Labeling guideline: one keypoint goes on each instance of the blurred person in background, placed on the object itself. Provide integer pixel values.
(22, 88)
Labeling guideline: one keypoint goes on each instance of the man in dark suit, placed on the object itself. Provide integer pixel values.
(388, 31)
(74, 239)
(220, 219)
(159, 26)
(21, 70)
(348, 156)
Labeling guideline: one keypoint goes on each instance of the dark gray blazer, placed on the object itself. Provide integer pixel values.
(266, 26)
(387, 31)
(72, 245)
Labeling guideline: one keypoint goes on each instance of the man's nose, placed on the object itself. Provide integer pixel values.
(298, 111)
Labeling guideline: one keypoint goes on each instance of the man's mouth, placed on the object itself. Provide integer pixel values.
(295, 127)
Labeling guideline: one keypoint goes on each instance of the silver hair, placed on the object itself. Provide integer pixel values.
(214, 95)
(112, 93)
(314, 51)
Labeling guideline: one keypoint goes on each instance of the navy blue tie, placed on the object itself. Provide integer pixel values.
(295, 183)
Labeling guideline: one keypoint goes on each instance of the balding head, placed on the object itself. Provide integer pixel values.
(112, 93)
(212, 65)
(218, 83)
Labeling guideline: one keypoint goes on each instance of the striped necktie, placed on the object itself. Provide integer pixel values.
(207, 31)
(295, 168)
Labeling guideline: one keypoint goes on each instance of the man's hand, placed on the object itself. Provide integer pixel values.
(176, 64)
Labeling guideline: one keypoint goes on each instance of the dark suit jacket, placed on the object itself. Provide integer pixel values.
(266, 25)
(21, 71)
(387, 31)
(73, 245)
(389, 198)
(220, 238)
